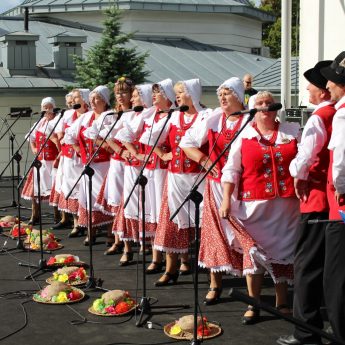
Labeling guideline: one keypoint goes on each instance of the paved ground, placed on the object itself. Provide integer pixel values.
(63, 324)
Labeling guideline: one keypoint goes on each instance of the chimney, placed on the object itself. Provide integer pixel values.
(65, 45)
(26, 19)
(18, 52)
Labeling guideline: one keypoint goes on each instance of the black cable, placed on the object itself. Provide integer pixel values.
(22, 295)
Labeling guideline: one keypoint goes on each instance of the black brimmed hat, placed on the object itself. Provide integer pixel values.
(314, 76)
(335, 72)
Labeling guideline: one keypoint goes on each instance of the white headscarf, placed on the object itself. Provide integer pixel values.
(85, 93)
(103, 91)
(145, 93)
(193, 89)
(167, 89)
(48, 100)
(251, 102)
(234, 84)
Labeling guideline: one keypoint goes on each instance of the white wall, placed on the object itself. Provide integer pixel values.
(321, 35)
(225, 30)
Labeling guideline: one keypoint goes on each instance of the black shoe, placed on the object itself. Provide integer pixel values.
(187, 271)
(157, 269)
(33, 221)
(250, 320)
(291, 340)
(87, 241)
(216, 298)
(167, 278)
(76, 232)
(114, 249)
(129, 259)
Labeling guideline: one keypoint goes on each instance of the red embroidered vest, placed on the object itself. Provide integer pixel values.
(266, 170)
(317, 200)
(49, 152)
(217, 142)
(154, 159)
(88, 148)
(180, 163)
(66, 149)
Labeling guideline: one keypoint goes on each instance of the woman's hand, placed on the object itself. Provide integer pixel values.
(225, 208)
(206, 164)
(166, 156)
(126, 155)
(76, 148)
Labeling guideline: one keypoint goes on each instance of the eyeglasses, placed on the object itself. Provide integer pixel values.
(124, 93)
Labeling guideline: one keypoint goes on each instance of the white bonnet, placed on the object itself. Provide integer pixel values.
(103, 91)
(167, 88)
(194, 90)
(47, 100)
(145, 93)
(234, 84)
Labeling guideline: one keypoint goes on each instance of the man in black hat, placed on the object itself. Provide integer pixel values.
(334, 275)
(309, 170)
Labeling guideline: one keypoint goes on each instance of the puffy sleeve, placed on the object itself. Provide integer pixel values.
(196, 136)
(71, 133)
(151, 134)
(314, 137)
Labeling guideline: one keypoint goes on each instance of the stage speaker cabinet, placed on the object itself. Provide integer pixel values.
(299, 115)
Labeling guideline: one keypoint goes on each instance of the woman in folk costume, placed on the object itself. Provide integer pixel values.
(110, 195)
(163, 97)
(267, 216)
(126, 224)
(70, 166)
(173, 237)
(219, 249)
(74, 135)
(47, 157)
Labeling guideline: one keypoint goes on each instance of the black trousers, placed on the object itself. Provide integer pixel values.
(308, 274)
(334, 278)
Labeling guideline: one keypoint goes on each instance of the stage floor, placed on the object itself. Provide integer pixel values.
(63, 324)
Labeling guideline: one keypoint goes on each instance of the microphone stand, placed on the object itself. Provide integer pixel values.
(92, 283)
(17, 157)
(145, 306)
(197, 198)
(42, 265)
(11, 138)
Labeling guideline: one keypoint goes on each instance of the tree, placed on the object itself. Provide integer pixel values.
(271, 33)
(110, 59)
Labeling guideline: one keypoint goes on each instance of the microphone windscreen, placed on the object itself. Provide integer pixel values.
(184, 107)
(56, 110)
(76, 106)
(274, 106)
(138, 108)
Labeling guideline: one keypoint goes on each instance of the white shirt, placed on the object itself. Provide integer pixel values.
(314, 137)
(337, 145)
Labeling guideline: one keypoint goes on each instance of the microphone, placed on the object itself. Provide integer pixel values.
(42, 113)
(76, 106)
(271, 107)
(182, 108)
(136, 109)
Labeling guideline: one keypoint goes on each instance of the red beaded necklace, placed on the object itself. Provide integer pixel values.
(227, 132)
(183, 124)
(263, 140)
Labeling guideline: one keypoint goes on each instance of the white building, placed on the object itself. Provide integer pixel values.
(321, 35)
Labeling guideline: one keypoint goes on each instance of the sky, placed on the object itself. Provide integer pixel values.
(7, 4)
